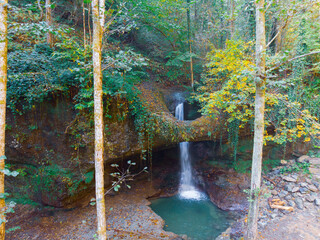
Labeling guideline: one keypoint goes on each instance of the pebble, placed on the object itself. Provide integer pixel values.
(315, 183)
(310, 198)
(303, 158)
(317, 201)
(291, 203)
(314, 161)
(274, 215)
(315, 171)
(308, 180)
(303, 190)
(312, 188)
(288, 187)
(262, 224)
(313, 194)
(295, 189)
(303, 184)
(282, 194)
(299, 203)
(274, 192)
(288, 197)
(289, 179)
(276, 172)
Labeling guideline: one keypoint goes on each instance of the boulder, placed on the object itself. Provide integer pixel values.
(310, 198)
(303, 158)
(312, 188)
(226, 189)
(289, 179)
(299, 203)
(314, 161)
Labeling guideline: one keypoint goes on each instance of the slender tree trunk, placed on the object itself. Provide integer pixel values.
(232, 18)
(189, 41)
(279, 37)
(89, 24)
(50, 38)
(84, 25)
(259, 121)
(3, 92)
(40, 8)
(98, 25)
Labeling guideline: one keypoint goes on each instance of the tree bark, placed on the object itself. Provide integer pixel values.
(252, 230)
(189, 41)
(98, 24)
(233, 6)
(84, 25)
(40, 8)
(3, 92)
(278, 36)
(50, 38)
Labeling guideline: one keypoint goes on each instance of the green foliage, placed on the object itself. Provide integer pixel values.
(13, 229)
(89, 177)
(252, 195)
(227, 91)
(297, 167)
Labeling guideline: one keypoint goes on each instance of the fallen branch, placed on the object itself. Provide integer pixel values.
(268, 179)
(278, 204)
(290, 209)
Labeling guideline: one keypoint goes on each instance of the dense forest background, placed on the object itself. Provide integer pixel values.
(204, 47)
(213, 51)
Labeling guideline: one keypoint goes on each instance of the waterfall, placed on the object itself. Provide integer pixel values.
(187, 188)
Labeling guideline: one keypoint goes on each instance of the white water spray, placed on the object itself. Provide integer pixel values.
(187, 187)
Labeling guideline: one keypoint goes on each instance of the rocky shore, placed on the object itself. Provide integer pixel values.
(289, 204)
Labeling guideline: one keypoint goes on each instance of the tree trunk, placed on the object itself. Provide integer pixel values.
(84, 25)
(98, 24)
(232, 17)
(40, 8)
(3, 92)
(279, 36)
(50, 38)
(259, 121)
(189, 41)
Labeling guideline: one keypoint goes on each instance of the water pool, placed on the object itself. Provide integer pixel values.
(198, 219)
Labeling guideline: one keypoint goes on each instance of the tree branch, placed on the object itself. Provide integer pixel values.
(292, 59)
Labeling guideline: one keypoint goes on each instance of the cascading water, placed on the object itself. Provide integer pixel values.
(187, 187)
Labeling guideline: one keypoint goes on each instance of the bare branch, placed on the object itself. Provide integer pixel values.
(292, 59)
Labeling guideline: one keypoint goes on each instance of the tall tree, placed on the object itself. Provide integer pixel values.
(3, 93)
(50, 38)
(259, 120)
(189, 41)
(98, 9)
(232, 17)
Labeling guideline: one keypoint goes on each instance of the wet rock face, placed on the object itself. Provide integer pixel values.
(226, 188)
